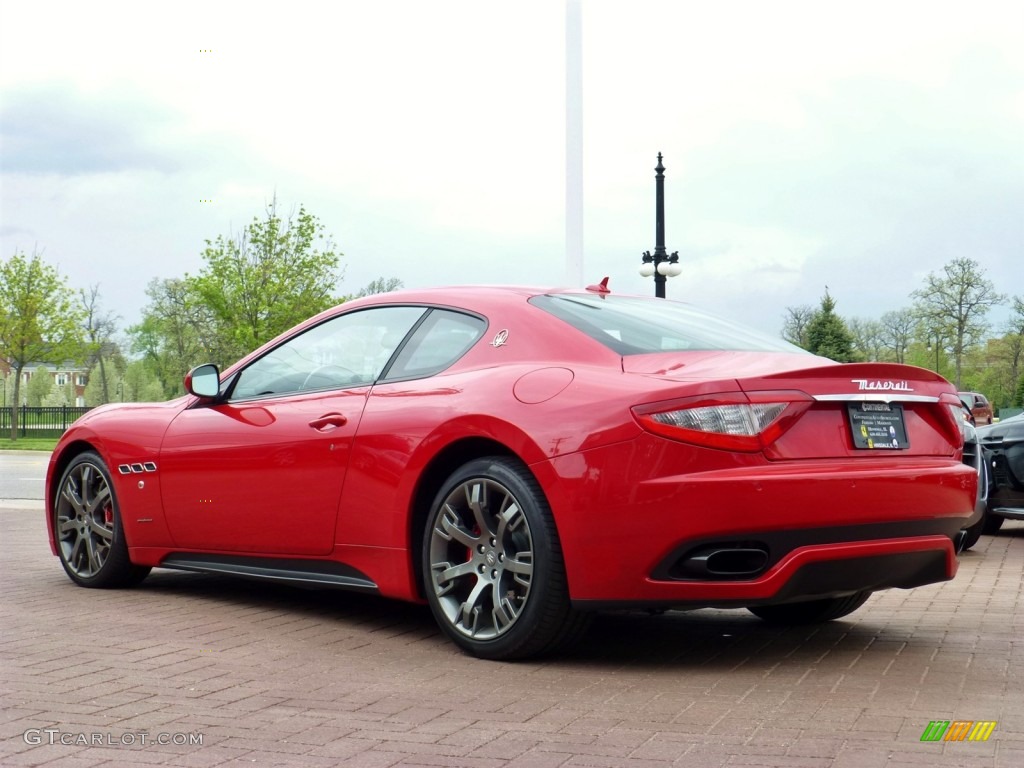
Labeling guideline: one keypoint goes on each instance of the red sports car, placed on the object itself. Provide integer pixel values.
(519, 458)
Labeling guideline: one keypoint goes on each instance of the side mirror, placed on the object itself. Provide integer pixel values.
(203, 381)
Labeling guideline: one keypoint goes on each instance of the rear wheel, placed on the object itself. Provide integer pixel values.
(992, 524)
(811, 611)
(492, 564)
(87, 527)
(973, 533)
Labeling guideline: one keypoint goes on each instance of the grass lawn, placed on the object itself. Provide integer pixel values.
(28, 444)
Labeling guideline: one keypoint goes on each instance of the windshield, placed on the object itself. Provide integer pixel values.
(632, 325)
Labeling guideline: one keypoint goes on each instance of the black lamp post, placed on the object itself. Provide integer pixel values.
(660, 264)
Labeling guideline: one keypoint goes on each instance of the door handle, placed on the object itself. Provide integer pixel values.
(328, 422)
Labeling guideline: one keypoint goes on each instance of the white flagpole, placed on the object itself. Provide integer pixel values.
(573, 143)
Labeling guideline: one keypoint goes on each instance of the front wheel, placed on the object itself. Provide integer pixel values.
(87, 527)
(811, 611)
(492, 564)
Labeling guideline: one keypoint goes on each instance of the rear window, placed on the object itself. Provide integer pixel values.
(437, 343)
(630, 325)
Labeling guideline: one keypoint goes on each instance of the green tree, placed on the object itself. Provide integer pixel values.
(827, 334)
(7, 398)
(1013, 359)
(140, 385)
(100, 385)
(39, 319)
(986, 370)
(953, 306)
(931, 338)
(274, 274)
(178, 332)
(60, 394)
(39, 387)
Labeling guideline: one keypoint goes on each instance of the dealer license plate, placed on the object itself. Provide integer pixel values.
(877, 426)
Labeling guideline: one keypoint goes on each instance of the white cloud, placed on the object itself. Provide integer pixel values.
(800, 138)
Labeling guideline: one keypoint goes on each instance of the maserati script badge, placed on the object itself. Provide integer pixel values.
(882, 386)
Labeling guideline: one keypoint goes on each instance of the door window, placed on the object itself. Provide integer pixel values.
(349, 350)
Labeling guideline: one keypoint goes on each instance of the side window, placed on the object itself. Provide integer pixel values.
(442, 338)
(346, 351)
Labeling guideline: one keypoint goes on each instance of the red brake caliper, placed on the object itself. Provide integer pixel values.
(469, 550)
(108, 515)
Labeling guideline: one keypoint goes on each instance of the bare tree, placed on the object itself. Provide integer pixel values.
(898, 331)
(380, 285)
(868, 338)
(100, 328)
(795, 323)
(953, 306)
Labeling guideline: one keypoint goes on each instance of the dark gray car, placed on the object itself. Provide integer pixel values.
(1003, 446)
(974, 456)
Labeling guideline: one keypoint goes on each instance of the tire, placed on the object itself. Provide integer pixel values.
(992, 524)
(493, 570)
(87, 527)
(973, 533)
(811, 611)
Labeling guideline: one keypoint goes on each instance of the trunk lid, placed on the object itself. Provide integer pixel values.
(851, 410)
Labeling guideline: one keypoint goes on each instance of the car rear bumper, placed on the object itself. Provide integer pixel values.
(809, 573)
(635, 534)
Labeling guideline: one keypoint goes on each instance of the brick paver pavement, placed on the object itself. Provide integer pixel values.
(270, 676)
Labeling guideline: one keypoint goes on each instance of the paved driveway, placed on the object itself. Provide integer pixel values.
(270, 676)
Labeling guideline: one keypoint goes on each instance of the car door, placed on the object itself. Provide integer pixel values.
(405, 406)
(262, 471)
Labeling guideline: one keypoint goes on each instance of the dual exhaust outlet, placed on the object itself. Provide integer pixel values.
(723, 562)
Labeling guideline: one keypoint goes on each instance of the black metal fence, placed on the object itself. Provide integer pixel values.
(40, 422)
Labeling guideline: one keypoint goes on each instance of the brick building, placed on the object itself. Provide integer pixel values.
(68, 376)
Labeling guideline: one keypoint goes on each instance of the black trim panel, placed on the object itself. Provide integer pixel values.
(779, 544)
(299, 573)
(903, 570)
(818, 580)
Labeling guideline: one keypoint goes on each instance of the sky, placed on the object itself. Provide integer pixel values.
(858, 146)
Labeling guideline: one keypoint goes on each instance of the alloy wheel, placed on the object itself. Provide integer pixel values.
(481, 555)
(85, 520)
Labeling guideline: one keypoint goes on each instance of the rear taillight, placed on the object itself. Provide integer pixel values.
(961, 417)
(731, 421)
(957, 424)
